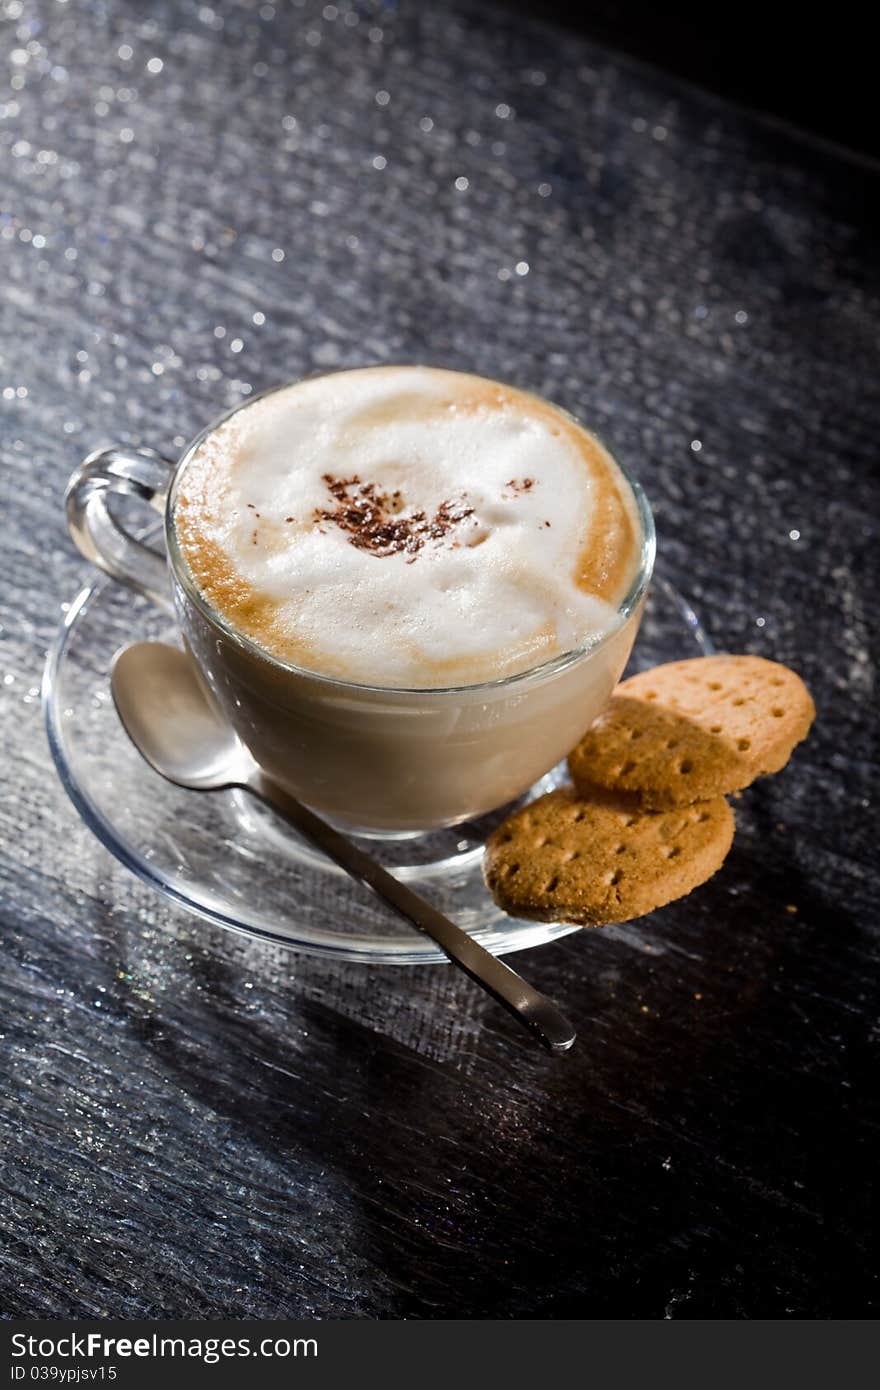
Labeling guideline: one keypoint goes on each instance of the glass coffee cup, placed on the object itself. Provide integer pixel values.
(375, 760)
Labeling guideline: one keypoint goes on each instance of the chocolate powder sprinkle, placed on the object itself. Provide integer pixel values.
(376, 521)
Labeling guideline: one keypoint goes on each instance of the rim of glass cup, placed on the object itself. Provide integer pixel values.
(554, 664)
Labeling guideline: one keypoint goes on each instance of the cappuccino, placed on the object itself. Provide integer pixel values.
(409, 528)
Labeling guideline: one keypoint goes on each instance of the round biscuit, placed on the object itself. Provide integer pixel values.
(598, 859)
(694, 729)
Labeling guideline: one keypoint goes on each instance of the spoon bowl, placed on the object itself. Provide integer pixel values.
(173, 721)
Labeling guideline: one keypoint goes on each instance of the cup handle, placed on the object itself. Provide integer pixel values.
(100, 537)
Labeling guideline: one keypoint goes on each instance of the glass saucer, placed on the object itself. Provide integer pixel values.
(226, 857)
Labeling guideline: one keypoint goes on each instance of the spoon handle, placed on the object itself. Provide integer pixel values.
(528, 1005)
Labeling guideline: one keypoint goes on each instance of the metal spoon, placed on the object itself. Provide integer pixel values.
(178, 729)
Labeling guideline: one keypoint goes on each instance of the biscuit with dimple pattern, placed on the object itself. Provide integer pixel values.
(694, 729)
(596, 860)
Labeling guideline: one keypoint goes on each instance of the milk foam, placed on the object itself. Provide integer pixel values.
(408, 526)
